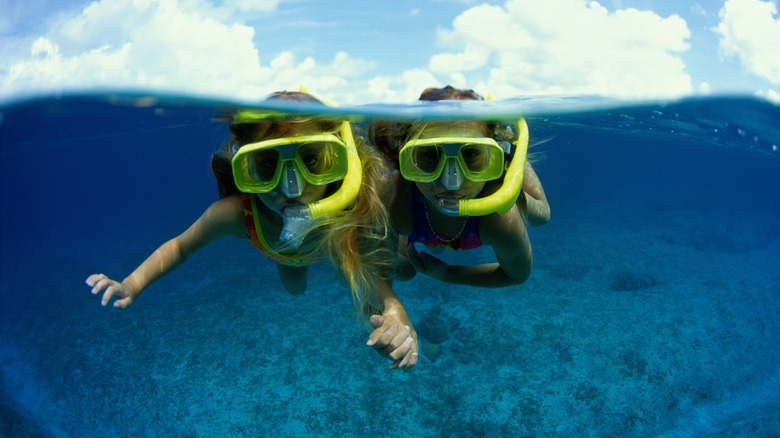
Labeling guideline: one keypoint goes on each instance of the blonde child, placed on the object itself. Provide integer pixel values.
(300, 190)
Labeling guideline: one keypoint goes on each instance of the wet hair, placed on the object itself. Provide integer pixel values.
(449, 93)
(355, 239)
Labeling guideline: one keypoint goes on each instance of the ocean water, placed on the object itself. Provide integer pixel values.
(653, 308)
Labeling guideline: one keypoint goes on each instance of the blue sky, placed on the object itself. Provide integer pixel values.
(375, 51)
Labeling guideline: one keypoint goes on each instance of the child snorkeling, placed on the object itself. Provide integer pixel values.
(300, 189)
(462, 187)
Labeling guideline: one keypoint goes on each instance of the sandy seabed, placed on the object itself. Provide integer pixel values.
(640, 322)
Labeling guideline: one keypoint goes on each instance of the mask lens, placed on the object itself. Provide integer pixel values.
(265, 164)
(427, 158)
(475, 157)
(316, 157)
(322, 162)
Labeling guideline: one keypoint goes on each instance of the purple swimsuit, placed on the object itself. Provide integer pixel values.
(422, 232)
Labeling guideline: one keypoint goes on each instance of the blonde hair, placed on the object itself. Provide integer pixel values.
(360, 239)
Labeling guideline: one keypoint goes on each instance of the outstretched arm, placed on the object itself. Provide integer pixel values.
(508, 237)
(220, 219)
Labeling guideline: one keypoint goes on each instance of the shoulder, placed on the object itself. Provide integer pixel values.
(226, 215)
(505, 231)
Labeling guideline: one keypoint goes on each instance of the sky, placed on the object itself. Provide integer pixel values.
(357, 51)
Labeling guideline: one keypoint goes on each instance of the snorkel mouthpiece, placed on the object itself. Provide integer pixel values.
(297, 220)
(452, 178)
(449, 206)
(291, 182)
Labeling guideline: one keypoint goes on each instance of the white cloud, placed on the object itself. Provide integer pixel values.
(749, 30)
(203, 47)
(473, 57)
(567, 46)
(402, 88)
(770, 95)
(166, 45)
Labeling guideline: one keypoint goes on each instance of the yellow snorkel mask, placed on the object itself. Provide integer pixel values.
(285, 162)
(319, 159)
(452, 157)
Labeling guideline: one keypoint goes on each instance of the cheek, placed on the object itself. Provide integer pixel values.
(472, 189)
(269, 199)
(426, 188)
(314, 192)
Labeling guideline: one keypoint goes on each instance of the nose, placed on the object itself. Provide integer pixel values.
(451, 177)
(291, 181)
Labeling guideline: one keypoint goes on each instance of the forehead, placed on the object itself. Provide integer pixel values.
(465, 128)
(299, 128)
(262, 131)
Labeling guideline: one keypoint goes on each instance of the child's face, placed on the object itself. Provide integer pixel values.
(440, 196)
(276, 199)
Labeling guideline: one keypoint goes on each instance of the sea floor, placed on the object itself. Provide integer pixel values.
(635, 322)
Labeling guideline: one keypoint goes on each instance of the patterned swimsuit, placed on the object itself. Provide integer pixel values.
(423, 233)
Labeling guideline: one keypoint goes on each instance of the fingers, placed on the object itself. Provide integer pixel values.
(402, 350)
(110, 292)
(112, 287)
(92, 279)
(381, 339)
(407, 362)
(123, 303)
(395, 343)
(376, 339)
(376, 321)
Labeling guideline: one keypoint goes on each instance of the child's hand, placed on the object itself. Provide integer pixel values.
(394, 338)
(113, 287)
(426, 263)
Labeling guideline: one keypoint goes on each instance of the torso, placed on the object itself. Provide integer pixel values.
(419, 228)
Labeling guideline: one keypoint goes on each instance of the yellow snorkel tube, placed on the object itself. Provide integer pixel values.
(350, 186)
(298, 219)
(505, 197)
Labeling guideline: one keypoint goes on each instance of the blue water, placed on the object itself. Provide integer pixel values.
(653, 308)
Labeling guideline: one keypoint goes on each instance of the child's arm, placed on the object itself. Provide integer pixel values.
(509, 239)
(533, 199)
(222, 218)
(394, 336)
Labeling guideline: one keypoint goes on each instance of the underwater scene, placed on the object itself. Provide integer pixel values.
(652, 310)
